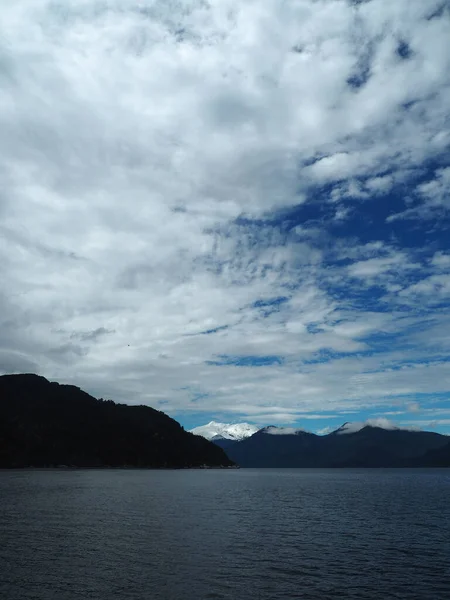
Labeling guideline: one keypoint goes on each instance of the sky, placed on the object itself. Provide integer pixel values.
(230, 210)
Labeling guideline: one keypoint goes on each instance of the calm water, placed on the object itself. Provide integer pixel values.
(247, 534)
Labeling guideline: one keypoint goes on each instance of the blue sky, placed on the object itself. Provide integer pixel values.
(230, 211)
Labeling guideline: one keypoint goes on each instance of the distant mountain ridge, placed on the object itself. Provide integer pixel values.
(380, 444)
(381, 423)
(44, 424)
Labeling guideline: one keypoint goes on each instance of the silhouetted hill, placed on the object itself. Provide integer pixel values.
(438, 457)
(368, 447)
(266, 450)
(223, 442)
(47, 424)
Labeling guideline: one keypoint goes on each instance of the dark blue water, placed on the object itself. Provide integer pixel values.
(244, 534)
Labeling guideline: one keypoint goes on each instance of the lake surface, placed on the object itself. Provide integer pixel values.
(238, 534)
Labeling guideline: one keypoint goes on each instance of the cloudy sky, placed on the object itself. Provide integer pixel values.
(230, 210)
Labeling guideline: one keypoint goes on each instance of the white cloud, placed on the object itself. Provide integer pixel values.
(433, 196)
(379, 185)
(429, 424)
(338, 166)
(435, 287)
(437, 191)
(380, 422)
(282, 430)
(371, 268)
(441, 260)
(133, 138)
(324, 430)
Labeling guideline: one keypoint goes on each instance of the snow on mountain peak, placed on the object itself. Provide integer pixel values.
(227, 431)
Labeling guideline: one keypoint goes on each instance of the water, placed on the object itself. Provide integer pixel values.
(243, 534)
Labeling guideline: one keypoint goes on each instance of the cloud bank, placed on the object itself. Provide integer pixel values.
(380, 422)
(229, 210)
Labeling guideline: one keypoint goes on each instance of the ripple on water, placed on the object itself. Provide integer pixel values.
(259, 534)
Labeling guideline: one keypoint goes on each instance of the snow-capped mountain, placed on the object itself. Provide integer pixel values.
(226, 431)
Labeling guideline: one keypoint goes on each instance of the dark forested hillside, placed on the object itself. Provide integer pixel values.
(47, 424)
(438, 457)
(263, 449)
(368, 447)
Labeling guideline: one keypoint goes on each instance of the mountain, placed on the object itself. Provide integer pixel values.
(375, 446)
(274, 447)
(352, 445)
(221, 433)
(438, 457)
(47, 424)
(380, 423)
